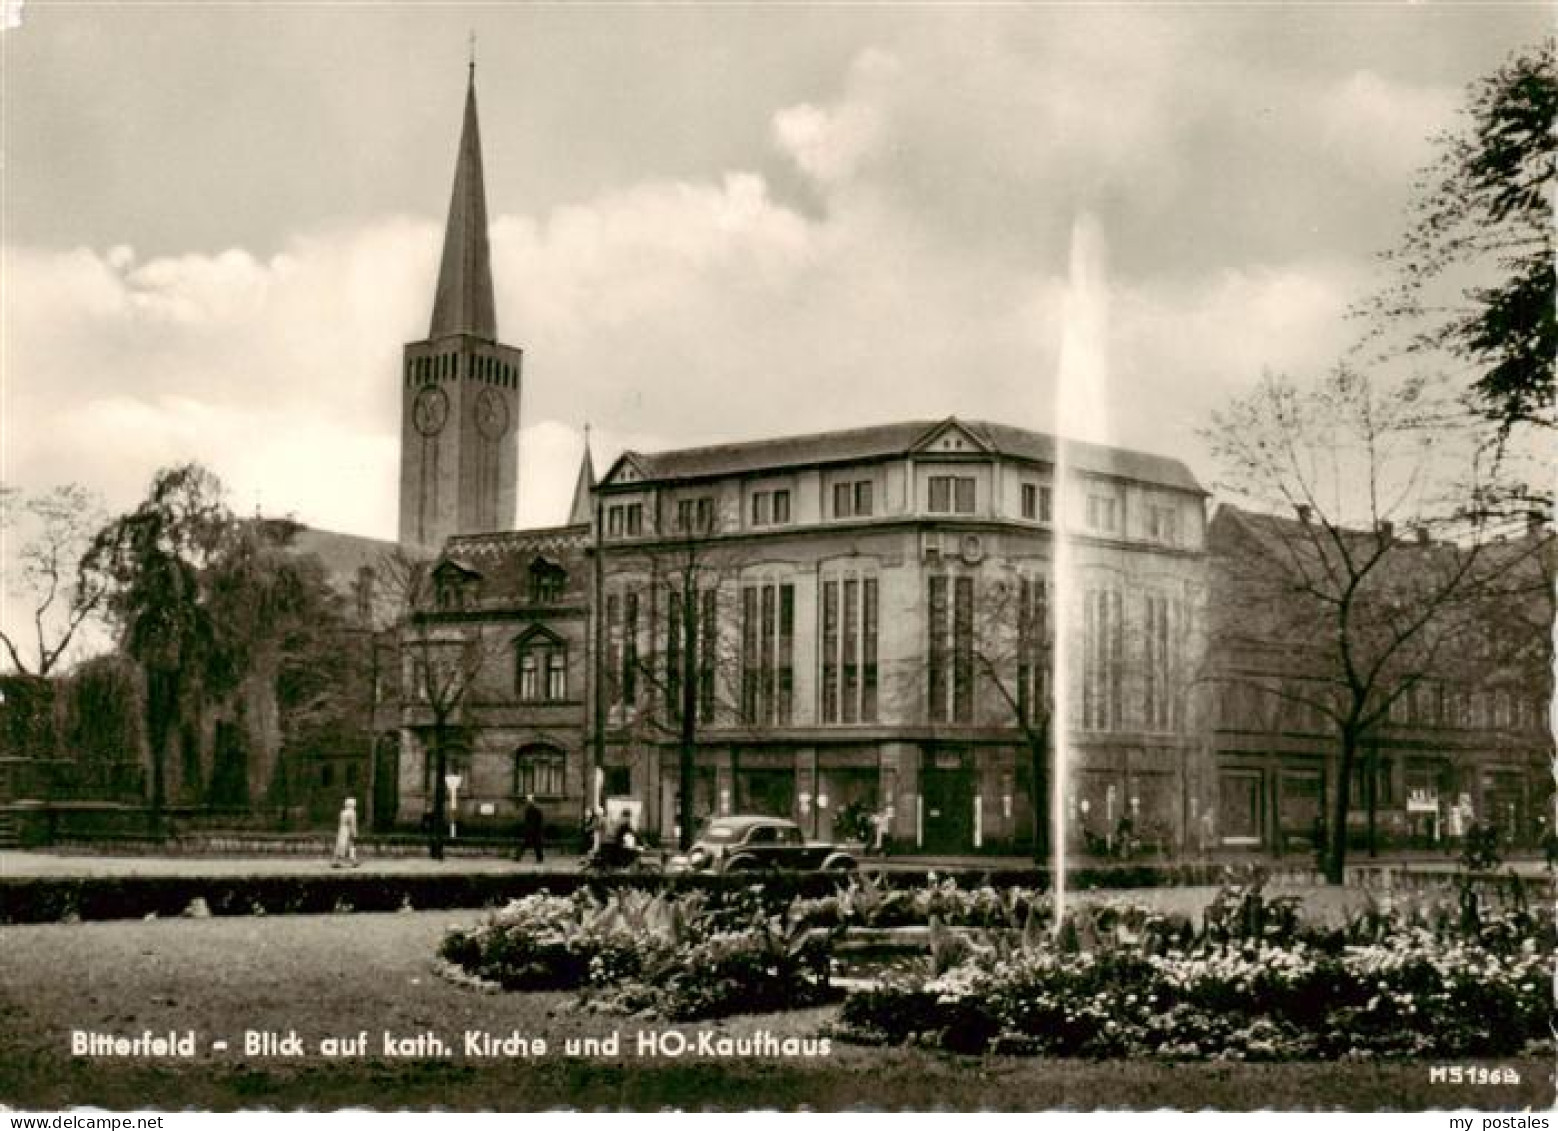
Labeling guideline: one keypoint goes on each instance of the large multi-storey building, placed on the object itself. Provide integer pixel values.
(883, 603)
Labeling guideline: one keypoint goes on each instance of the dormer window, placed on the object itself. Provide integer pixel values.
(453, 586)
(548, 580)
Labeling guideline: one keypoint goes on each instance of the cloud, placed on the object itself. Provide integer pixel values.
(926, 276)
(1383, 127)
(829, 143)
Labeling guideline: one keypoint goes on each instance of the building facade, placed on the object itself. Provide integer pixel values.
(495, 665)
(876, 616)
(1461, 733)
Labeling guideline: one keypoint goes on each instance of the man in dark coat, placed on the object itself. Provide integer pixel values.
(533, 829)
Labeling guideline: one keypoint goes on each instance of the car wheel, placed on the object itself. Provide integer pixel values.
(742, 864)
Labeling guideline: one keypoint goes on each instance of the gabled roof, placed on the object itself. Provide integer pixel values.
(463, 302)
(858, 445)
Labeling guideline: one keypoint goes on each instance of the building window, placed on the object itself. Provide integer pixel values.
(540, 771)
(770, 508)
(529, 675)
(767, 654)
(951, 494)
(1033, 649)
(622, 648)
(1160, 662)
(625, 520)
(853, 499)
(547, 582)
(449, 590)
(849, 649)
(1037, 502)
(704, 640)
(1103, 648)
(950, 685)
(1103, 513)
(542, 668)
(1163, 525)
(695, 515)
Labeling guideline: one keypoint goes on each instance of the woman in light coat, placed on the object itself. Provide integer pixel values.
(346, 836)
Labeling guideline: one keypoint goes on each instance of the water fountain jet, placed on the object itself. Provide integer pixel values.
(1081, 414)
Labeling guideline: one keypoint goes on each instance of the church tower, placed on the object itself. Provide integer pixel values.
(459, 450)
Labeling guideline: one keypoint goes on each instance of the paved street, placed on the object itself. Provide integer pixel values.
(45, 863)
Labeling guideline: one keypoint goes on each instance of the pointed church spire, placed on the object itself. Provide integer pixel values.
(463, 303)
(580, 511)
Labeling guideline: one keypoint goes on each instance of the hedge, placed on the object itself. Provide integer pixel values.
(52, 898)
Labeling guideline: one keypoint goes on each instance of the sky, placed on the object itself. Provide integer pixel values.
(709, 222)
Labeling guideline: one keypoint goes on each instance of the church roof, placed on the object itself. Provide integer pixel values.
(463, 303)
(579, 509)
(903, 439)
(343, 555)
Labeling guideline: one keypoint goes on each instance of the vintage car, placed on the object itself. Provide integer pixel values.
(750, 843)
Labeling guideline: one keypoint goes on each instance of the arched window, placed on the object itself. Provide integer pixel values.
(539, 771)
(541, 667)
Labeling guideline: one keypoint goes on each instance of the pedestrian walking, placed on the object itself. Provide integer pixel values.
(534, 830)
(346, 836)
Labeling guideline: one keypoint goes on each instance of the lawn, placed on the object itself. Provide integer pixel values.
(333, 976)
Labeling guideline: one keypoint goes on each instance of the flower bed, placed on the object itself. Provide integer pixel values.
(687, 956)
(1252, 983)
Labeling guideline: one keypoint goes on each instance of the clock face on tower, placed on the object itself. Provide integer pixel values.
(430, 410)
(492, 413)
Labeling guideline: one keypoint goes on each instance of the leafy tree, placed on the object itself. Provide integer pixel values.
(271, 611)
(62, 597)
(151, 563)
(221, 615)
(1483, 227)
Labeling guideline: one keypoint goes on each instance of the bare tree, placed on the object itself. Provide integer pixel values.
(61, 595)
(681, 589)
(444, 651)
(1013, 655)
(1332, 594)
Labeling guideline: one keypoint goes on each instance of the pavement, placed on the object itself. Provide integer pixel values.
(16, 863)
